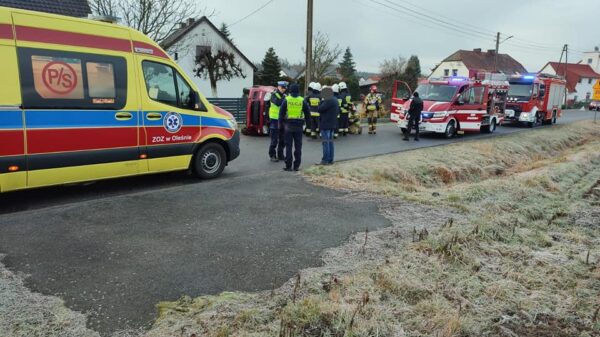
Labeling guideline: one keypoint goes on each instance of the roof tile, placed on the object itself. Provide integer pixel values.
(76, 8)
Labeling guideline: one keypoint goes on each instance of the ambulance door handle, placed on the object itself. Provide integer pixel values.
(153, 116)
(123, 116)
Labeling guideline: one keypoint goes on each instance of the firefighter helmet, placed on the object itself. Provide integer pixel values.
(317, 86)
(335, 88)
(311, 86)
(343, 86)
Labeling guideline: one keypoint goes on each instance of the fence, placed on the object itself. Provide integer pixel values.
(235, 106)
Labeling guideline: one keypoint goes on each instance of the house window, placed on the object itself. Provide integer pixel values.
(588, 96)
(575, 98)
(589, 61)
(579, 80)
(446, 72)
(589, 81)
(454, 72)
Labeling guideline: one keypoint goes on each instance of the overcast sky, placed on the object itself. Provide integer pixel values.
(378, 31)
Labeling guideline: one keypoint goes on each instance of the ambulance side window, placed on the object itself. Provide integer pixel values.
(160, 82)
(186, 100)
(53, 79)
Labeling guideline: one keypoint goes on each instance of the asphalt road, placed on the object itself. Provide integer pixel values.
(114, 249)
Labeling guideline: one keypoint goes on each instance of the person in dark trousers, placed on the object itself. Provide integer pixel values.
(328, 110)
(414, 116)
(291, 117)
(276, 132)
(313, 100)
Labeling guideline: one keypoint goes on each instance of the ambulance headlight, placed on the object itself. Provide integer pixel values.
(525, 115)
(232, 123)
(441, 114)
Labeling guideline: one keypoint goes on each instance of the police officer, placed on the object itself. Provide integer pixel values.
(372, 106)
(291, 118)
(313, 100)
(414, 116)
(345, 108)
(276, 132)
(336, 94)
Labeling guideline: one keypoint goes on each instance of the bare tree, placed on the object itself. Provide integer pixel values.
(155, 18)
(391, 70)
(324, 56)
(216, 62)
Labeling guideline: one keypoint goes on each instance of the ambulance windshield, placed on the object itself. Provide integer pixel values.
(436, 92)
(520, 90)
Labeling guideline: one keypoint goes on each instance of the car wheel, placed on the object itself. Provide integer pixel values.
(450, 130)
(210, 161)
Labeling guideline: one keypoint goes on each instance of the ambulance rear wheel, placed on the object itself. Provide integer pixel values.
(210, 161)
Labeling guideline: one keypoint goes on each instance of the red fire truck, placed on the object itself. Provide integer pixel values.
(535, 99)
(454, 105)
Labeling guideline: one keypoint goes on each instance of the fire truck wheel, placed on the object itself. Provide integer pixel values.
(210, 161)
(489, 128)
(450, 129)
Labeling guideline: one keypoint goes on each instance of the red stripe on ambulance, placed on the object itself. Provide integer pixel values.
(12, 143)
(65, 140)
(6, 31)
(44, 35)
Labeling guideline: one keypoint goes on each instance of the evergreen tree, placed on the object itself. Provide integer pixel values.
(271, 68)
(225, 30)
(348, 66)
(412, 73)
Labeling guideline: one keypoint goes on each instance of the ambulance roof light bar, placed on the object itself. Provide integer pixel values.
(104, 18)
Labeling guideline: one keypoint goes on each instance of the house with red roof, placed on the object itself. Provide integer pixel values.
(468, 63)
(580, 79)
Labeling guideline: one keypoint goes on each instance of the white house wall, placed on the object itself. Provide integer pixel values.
(462, 70)
(594, 57)
(203, 34)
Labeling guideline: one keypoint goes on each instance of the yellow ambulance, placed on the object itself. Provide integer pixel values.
(85, 100)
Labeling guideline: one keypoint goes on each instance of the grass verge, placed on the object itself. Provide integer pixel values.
(491, 238)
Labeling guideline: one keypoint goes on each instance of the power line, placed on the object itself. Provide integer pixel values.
(478, 30)
(439, 24)
(252, 13)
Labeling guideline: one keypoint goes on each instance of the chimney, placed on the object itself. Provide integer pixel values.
(190, 21)
(477, 50)
(491, 51)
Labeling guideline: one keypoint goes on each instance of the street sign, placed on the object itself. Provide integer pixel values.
(596, 95)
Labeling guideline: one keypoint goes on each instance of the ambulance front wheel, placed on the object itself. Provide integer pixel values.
(210, 161)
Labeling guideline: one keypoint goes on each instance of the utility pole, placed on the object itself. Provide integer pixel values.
(309, 48)
(496, 54)
(566, 65)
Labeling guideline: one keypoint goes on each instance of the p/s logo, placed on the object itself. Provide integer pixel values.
(59, 77)
(173, 122)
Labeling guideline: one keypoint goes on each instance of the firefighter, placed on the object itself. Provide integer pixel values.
(275, 131)
(291, 119)
(414, 116)
(372, 107)
(336, 94)
(307, 122)
(345, 108)
(313, 100)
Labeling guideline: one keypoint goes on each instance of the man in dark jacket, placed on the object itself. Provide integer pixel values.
(414, 116)
(291, 117)
(328, 110)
